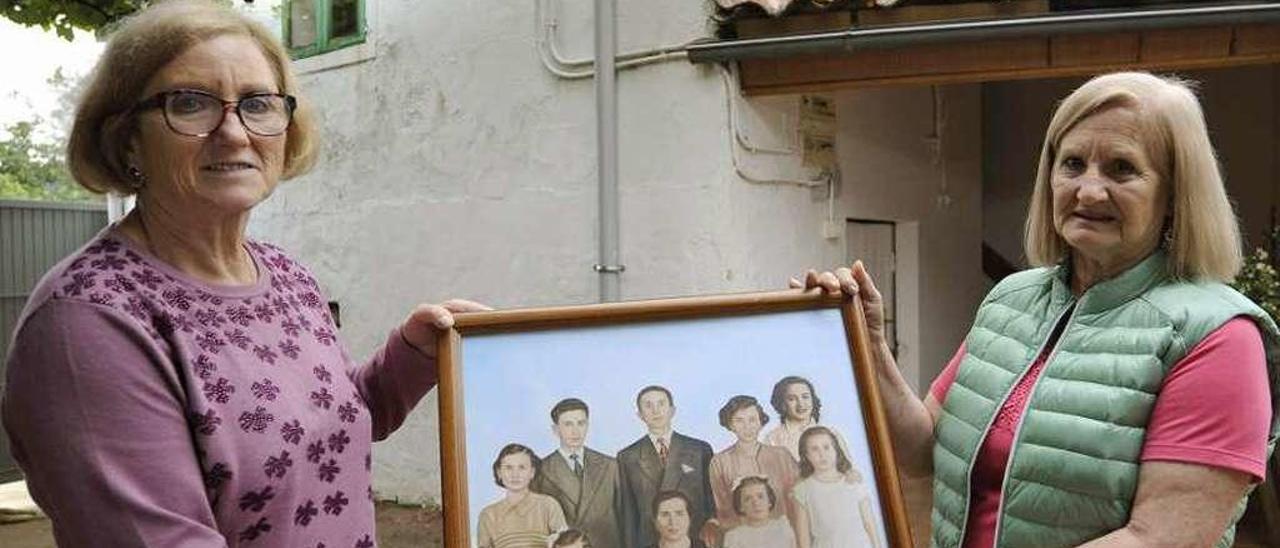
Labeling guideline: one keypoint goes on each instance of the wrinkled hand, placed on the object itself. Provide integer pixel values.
(424, 325)
(855, 282)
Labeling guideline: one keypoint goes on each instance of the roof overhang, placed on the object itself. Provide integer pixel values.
(1027, 31)
(896, 36)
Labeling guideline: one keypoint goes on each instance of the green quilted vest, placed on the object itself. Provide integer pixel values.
(1073, 469)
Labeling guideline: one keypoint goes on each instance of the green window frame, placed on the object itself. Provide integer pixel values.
(333, 25)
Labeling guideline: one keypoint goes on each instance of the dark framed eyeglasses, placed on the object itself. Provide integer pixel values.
(196, 113)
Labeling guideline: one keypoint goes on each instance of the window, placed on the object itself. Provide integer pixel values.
(312, 27)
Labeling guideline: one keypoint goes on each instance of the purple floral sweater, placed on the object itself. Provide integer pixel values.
(150, 409)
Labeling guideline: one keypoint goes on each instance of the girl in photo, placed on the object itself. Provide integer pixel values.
(828, 491)
(745, 417)
(754, 500)
(522, 518)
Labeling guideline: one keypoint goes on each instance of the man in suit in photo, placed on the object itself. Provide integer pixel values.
(661, 460)
(582, 480)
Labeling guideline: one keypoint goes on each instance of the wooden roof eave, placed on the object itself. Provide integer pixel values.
(1039, 46)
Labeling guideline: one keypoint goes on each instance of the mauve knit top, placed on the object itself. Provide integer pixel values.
(147, 408)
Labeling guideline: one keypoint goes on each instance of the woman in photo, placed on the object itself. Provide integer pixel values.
(798, 408)
(522, 518)
(829, 491)
(756, 501)
(744, 416)
(672, 522)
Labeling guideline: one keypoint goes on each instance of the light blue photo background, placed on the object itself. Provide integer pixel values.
(511, 381)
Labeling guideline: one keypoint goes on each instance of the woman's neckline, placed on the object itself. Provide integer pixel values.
(259, 287)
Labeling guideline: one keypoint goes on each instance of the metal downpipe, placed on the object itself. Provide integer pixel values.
(609, 266)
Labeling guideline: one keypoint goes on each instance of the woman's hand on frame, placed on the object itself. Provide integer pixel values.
(855, 282)
(428, 321)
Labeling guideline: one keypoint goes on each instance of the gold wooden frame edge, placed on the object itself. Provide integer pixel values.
(453, 454)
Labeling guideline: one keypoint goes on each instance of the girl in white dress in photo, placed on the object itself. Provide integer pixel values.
(754, 500)
(829, 491)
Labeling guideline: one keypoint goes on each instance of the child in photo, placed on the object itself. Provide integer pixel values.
(754, 501)
(828, 495)
(522, 518)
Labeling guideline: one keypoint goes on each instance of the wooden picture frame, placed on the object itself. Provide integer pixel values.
(515, 355)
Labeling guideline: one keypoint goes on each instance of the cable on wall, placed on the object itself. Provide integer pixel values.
(735, 141)
(581, 69)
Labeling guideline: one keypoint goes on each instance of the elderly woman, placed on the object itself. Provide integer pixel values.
(1119, 394)
(174, 383)
(744, 416)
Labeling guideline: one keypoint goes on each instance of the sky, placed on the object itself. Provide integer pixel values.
(24, 92)
(511, 381)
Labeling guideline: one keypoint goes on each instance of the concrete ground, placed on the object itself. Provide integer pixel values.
(398, 527)
(416, 527)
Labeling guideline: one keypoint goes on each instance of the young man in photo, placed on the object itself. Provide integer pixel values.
(582, 480)
(661, 460)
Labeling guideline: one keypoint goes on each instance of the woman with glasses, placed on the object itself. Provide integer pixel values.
(174, 383)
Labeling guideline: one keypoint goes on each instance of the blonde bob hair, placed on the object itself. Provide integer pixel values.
(105, 124)
(1203, 235)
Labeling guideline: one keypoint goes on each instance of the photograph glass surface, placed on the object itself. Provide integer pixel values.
(511, 382)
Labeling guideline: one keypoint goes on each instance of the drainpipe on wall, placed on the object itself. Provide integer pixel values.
(610, 266)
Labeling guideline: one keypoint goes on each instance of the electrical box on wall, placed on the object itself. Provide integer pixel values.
(818, 132)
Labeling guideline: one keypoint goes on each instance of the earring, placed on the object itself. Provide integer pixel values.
(136, 178)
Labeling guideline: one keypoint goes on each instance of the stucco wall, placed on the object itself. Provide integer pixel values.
(893, 171)
(455, 165)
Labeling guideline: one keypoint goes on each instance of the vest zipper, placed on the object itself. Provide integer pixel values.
(1068, 313)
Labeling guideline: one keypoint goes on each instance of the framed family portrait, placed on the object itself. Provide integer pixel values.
(732, 421)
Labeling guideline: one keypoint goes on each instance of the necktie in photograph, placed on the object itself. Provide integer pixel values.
(577, 465)
(662, 451)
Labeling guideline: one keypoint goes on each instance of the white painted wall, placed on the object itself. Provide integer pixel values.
(455, 165)
(891, 172)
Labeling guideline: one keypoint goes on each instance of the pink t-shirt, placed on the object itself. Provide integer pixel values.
(1203, 415)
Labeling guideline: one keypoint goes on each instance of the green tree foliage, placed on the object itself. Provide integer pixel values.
(35, 170)
(63, 16)
(1260, 278)
(32, 164)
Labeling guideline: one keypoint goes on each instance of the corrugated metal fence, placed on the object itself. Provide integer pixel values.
(33, 237)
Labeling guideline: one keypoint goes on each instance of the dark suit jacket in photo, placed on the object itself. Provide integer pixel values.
(641, 476)
(589, 504)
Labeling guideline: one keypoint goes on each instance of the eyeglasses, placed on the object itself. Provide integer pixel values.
(197, 113)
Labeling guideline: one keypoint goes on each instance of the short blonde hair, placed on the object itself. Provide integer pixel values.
(105, 124)
(1203, 240)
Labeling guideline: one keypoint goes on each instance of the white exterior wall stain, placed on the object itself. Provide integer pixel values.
(454, 165)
